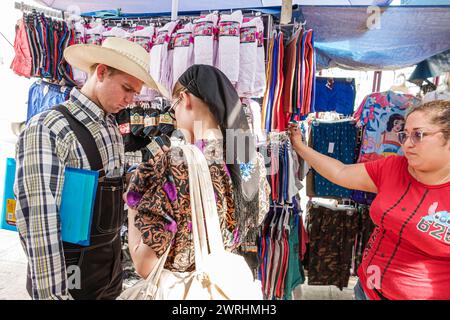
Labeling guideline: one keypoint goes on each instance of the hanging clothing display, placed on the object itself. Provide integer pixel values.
(159, 54)
(291, 73)
(183, 55)
(273, 98)
(436, 95)
(335, 94)
(332, 234)
(144, 36)
(300, 66)
(266, 100)
(79, 76)
(280, 269)
(229, 45)
(43, 95)
(213, 40)
(291, 84)
(94, 33)
(336, 139)
(115, 32)
(259, 84)
(365, 229)
(22, 62)
(248, 55)
(253, 111)
(204, 35)
(308, 73)
(383, 115)
(43, 40)
(281, 242)
(284, 168)
(144, 121)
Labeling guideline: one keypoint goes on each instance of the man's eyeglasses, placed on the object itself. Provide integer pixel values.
(416, 136)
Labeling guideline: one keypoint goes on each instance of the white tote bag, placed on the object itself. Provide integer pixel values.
(219, 275)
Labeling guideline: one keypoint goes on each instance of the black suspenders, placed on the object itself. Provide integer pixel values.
(85, 138)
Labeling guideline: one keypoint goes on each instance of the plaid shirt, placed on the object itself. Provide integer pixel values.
(44, 149)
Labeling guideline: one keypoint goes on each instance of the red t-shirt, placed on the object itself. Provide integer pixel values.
(408, 255)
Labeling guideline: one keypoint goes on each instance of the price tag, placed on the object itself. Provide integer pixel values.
(11, 211)
(331, 147)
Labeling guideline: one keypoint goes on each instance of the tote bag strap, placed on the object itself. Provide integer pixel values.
(210, 214)
(206, 211)
(152, 279)
(205, 219)
(198, 226)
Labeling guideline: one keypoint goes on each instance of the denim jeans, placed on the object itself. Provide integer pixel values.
(359, 292)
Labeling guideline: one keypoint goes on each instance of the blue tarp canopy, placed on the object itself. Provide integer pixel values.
(432, 67)
(348, 36)
(165, 6)
(403, 36)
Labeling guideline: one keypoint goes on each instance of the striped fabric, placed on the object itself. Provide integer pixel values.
(45, 148)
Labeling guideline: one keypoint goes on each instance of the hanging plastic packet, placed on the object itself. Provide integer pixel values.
(137, 120)
(166, 121)
(155, 147)
(151, 121)
(145, 105)
(124, 122)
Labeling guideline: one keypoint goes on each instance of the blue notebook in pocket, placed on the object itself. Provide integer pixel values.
(8, 218)
(77, 205)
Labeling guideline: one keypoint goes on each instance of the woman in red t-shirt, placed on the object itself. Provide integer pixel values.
(408, 255)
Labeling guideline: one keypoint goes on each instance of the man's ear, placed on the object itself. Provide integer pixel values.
(101, 72)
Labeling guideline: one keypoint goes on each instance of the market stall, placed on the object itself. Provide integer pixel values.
(276, 70)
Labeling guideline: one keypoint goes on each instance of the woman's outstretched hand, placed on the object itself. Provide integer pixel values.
(296, 137)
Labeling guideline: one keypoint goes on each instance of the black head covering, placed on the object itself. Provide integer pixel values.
(213, 87)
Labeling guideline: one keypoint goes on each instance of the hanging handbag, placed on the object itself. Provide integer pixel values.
(218, 275)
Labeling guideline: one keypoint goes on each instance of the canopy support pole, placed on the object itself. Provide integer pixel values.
(376, 81)
(174, 10)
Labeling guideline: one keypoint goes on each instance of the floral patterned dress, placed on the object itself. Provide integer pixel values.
(164, 212)
(377, 115)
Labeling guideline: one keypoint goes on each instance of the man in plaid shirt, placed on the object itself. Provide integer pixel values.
(117, 71)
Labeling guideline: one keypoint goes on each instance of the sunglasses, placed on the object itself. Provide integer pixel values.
(415, 136)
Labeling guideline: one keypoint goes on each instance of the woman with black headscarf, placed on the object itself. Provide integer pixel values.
(208, 112)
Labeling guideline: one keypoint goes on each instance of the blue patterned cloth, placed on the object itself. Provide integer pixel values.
(336, 140)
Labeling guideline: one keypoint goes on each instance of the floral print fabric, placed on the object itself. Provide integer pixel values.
(164, 211)
(382, 115)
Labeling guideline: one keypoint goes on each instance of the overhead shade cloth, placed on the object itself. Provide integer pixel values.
(407, 36)
(149, 6)
(158, 6)
(432, 67)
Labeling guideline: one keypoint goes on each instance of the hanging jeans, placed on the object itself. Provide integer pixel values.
(43, 95)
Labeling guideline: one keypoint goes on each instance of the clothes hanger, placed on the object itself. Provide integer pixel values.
(400, 84)
(333, 207)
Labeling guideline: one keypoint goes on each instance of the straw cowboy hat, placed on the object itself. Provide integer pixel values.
(118, 53)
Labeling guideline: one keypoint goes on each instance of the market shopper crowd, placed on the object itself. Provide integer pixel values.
(408, 256)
